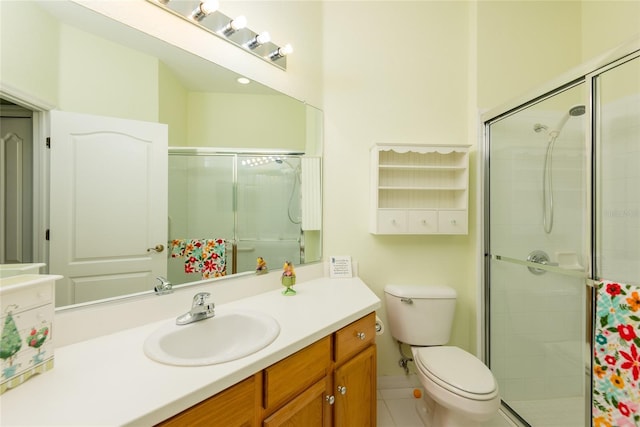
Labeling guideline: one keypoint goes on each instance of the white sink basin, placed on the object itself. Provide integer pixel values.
(230, 335)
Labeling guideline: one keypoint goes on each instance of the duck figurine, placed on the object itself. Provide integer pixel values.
(288, 278)
(261, 266)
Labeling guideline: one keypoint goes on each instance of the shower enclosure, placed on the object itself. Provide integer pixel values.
(244, 205)
(562, 213)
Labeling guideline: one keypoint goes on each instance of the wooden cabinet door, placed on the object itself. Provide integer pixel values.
(355, 391)
(233, 407)
(309, 409)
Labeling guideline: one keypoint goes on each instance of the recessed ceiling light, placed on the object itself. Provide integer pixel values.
(243, 80)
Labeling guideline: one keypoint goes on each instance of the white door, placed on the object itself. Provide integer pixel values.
(16, 242)
(108, 206)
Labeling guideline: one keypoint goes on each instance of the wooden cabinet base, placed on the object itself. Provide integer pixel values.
(331, 382)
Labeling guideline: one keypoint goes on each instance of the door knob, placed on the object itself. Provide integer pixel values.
(158, 248)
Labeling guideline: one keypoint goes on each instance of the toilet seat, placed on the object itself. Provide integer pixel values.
(457, 371)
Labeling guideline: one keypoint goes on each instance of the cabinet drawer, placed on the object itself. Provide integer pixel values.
(355, 337)
(291, 376)
(423, 222)
(392, 221)
(452, 222)
(27, 297)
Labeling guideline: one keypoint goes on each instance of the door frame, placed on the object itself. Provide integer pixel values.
(40, 109)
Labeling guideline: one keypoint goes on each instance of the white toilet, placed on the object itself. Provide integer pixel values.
(460, 391)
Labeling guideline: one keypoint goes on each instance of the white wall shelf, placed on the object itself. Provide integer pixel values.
(419, 189)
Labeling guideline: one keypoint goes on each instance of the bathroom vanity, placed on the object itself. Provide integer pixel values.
(320, 370)
(330, 382)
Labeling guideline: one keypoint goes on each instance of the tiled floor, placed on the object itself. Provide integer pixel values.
(397, 405)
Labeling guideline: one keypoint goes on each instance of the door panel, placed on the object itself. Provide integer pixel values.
(16, 185)
(109, 205)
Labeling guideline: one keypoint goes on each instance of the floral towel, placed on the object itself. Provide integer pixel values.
(616, 363)
(177, 248)
(206, 256)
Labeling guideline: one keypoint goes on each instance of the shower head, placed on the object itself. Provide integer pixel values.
(575, 111)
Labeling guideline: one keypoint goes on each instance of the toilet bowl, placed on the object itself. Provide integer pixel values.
(463, 389)
(460, 390)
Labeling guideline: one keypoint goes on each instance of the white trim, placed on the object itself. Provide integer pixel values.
(40, 120)
(24, 99)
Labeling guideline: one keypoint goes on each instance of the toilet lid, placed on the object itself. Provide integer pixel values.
(457, 368)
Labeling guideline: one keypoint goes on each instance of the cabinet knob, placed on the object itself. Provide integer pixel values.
(361, 336)
(453, 222)
(393, 221)
(330, 399)
(342, 390)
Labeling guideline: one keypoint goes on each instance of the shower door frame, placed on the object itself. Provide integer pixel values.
(585, 74)
(234, 154)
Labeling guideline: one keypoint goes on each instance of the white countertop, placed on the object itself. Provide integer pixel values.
(109, 381)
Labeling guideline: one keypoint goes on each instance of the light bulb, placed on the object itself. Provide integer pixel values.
(281, 52)
(234, 25)
(286, 49)
(263, 38)
(258, 40)
(205, 8)
(239, 23)
(209, 6)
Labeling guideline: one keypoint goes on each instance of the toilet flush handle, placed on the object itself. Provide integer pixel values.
(406, 300)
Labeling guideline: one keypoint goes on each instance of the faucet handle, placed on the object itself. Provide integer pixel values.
(198, 299)
(163, 287)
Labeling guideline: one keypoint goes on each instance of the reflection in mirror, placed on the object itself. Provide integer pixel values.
(238, 207)
(73, 59)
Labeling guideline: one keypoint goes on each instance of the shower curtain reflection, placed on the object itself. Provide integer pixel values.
(237, 207)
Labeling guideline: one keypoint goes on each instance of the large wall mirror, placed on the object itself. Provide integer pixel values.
(239, 164)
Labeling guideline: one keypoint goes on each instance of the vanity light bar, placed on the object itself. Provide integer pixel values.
(205, 14)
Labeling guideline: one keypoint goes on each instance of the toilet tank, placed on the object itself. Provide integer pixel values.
(420, 315)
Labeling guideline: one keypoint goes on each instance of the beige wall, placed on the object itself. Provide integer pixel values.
(607, 24)
(395, 73)
(422, 72)
(29, 46)
(245, 120)
(104, 78)
(173, 99)
(523, 44)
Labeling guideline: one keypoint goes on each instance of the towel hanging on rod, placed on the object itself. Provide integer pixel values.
(205, 256)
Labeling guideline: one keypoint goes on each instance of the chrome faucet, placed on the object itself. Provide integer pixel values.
(164, 287)
(199, 310)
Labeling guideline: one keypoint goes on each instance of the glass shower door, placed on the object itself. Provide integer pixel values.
(200, 208)
(618, 173)
(536, 260)
(616, 393)
(268, 210)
